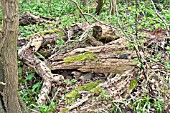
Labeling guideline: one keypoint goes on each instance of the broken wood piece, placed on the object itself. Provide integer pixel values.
(27, 54)
(79, 102)
(117, 89)
(28, 18)
(104, 33)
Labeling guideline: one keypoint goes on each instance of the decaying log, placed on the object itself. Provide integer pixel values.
(106, 58)
(104, 66)
(28, 18)
(115, 58)
(109, 58)
(118, 88)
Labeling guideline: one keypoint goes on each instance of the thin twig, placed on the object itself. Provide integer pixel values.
(136, 20)
(97, 19)
(92, 17)
(79, 9)
(160, 17)
(109, 25)
(120, 26)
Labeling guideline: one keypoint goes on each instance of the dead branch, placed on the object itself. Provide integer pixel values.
(26, 53)
(79, 9)
(28, 18)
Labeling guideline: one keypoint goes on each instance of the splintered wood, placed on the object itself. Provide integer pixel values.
(110, 59)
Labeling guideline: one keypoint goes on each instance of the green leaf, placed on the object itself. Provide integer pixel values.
(168, 48)
(30, 76)
(60, 42)
(37, 85)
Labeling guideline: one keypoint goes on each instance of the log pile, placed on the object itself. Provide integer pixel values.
(99, 50)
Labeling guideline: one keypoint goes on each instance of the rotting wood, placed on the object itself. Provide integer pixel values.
(118, 88)
(28, 18)
(104, 33)
(104, 66)
(26, 53)
(104, 50)
(110, 58)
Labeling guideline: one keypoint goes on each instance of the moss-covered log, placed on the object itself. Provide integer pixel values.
(100, 59)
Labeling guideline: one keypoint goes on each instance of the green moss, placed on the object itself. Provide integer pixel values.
(88, 86)
(81, 57)
(65, 110)
(72, 96)
(118, 52)
(96, 90)
(133, 84)
(52, 31)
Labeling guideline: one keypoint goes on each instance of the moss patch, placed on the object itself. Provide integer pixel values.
(65, 110)
(52, 31)
(133, 84)
(72, 96)
(81, 57)
(118, 52)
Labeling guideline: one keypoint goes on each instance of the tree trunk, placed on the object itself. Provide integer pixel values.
(99, 6)
(85, 2)
(9, 101)
(112, 6)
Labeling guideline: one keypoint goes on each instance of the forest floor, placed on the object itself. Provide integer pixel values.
(103, 64)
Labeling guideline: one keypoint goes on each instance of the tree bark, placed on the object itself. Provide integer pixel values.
(112, 6)
(85, 2)
(99, 6)
(9, 102)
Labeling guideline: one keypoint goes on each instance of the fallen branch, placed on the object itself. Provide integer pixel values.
(26, 53)
(28, 18)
